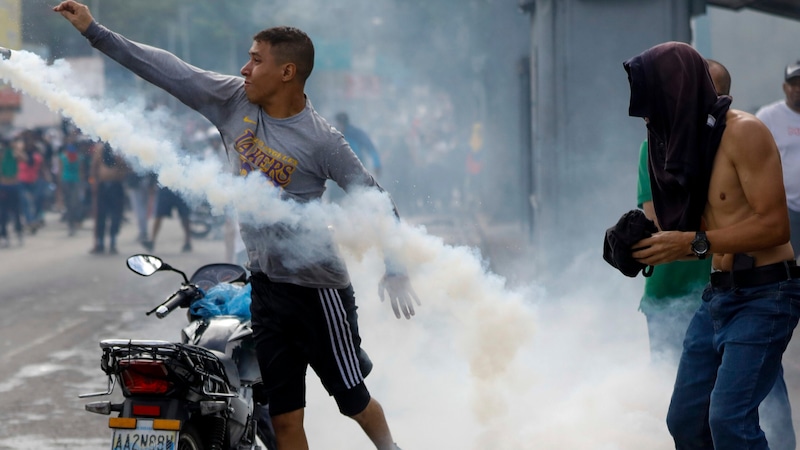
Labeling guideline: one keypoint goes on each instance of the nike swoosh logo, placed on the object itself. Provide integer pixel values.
(248, 120)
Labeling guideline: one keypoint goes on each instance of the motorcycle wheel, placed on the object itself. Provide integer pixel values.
(199, 229)
(189, 439)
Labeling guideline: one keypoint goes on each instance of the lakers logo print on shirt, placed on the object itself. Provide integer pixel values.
(254, 154)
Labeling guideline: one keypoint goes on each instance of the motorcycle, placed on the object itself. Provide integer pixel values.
(202, 222)
(198, 394)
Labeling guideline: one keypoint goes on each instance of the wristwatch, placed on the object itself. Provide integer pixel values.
(700, 245)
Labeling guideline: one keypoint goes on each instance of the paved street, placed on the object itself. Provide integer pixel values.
(59, 301)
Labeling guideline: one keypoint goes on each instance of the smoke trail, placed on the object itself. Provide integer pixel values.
(147, 146)
(481, 366)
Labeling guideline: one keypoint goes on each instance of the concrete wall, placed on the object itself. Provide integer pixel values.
(585, 144)
(756, 47)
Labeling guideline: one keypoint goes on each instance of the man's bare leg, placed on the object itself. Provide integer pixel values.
(289, 432)
(187, 234)
(373, 422)
(149, 244)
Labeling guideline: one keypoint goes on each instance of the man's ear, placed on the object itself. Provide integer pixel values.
(289, 71)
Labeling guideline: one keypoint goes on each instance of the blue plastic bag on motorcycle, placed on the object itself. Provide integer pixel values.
(223, 299)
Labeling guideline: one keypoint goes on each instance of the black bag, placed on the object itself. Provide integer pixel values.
(631, 228)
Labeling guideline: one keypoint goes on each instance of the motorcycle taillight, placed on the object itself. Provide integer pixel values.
(140, 376)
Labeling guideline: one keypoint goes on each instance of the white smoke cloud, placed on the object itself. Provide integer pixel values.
(482, 365)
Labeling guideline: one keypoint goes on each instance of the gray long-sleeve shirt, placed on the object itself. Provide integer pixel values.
(298, 154)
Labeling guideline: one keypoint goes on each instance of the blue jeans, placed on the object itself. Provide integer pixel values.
(731, 360)
(794, 223)
(775, 413)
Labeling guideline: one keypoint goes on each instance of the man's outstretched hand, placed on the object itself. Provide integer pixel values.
(400, 293)
(77, 13)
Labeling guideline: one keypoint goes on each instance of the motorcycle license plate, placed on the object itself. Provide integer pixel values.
(144, 437)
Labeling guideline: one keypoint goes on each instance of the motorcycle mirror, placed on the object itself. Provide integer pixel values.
(145, 265)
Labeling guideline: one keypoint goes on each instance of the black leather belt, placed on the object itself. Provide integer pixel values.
(757, 276)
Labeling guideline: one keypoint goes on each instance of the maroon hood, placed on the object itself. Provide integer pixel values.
(671, 87)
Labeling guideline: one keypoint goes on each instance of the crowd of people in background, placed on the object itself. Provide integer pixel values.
(28, 176)
(57, 176)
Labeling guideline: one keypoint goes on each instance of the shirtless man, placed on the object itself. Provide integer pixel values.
(734, 345)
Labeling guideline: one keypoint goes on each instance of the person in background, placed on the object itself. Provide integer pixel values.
(30, 172)
(360, 142)
(672, 294)
(49, 179)
(70, 170)
(109, 171)
(717, 193)
(166, 201)
(10, 210)
(141, 189)
(782, 117)
(303, 310)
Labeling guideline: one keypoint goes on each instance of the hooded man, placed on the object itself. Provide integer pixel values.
(718, 193)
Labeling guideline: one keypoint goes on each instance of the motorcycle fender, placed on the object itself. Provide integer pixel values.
(239, 413)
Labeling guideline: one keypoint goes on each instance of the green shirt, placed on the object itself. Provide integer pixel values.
(673, 281)
(8, 163)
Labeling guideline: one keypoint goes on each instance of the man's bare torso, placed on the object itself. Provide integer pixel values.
(728, 205)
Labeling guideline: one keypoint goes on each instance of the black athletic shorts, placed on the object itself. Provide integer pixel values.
(167, 200)
(295, 327)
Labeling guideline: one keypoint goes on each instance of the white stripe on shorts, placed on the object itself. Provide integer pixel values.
(341, 338)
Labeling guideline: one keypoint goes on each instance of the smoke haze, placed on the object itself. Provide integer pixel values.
(483, 364)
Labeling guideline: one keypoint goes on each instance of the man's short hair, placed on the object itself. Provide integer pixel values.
(290, 45)
(723, 83)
